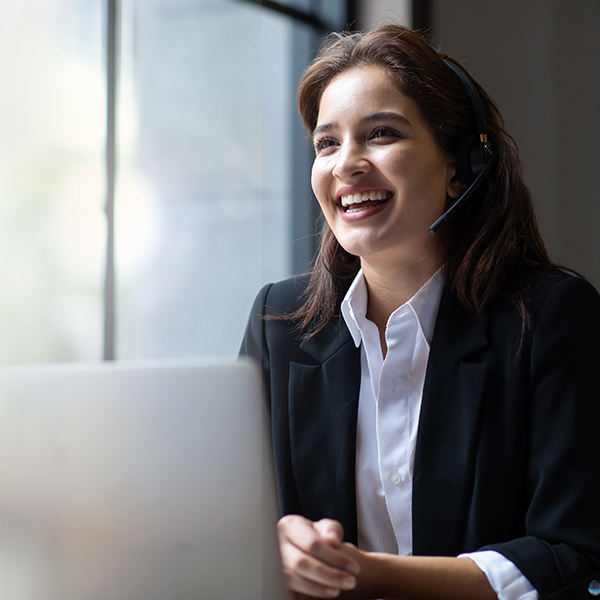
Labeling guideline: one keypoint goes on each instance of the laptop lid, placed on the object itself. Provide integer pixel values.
(148, 481)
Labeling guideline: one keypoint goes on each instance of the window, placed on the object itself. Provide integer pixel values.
(52, 116)
(211, 195)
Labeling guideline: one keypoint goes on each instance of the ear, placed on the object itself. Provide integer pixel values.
(455, 188)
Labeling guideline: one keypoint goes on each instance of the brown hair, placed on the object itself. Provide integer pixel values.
(493, 241)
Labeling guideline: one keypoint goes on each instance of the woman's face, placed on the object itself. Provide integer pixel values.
(378, 174)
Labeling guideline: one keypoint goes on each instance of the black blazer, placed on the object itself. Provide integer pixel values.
(508, 445)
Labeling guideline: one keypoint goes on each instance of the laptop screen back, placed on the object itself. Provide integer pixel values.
(147, 481)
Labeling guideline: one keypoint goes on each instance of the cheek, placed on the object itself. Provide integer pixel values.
(319, 183)
(426, 176)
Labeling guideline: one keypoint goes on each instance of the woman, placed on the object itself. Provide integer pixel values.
(433, 398)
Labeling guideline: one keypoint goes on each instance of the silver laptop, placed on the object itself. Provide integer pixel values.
(136, 482)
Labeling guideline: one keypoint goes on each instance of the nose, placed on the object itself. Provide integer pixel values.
(351, 160)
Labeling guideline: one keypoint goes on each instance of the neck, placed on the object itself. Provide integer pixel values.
(390, 288)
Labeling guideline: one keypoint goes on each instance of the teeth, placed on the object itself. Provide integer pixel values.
(364, 197)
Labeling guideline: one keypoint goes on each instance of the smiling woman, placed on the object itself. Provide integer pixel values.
(431, 437)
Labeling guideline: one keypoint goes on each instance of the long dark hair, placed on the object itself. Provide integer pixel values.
(493, 241)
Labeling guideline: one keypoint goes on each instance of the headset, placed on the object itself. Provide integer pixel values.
(475, 156)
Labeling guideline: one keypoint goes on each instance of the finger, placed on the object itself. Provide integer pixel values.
(309, 575)
(333, 533)
(303, 534)
(311, 564)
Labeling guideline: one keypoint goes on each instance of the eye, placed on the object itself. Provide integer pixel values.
(323, 143)
(385, 133)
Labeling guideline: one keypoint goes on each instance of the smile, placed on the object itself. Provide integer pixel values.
(363, 200)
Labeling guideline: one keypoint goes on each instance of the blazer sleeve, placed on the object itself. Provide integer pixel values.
(560, 555)
(254, 342)
(270, 343)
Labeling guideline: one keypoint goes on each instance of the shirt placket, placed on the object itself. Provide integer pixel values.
(394, 425)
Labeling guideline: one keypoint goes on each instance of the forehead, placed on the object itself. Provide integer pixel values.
(363, 90)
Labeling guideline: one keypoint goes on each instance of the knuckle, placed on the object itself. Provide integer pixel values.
(299, 564)
(286, 523)
(313, 546)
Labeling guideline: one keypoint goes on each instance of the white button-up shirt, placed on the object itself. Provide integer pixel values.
(391, 390)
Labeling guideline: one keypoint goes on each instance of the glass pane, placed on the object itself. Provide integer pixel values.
(203, 195)
(52, 238)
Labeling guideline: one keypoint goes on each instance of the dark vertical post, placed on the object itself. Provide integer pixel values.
(111, 81)
(422, 15)
(352, 8)
(305, 210)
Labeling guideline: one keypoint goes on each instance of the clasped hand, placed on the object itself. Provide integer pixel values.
(316, 561)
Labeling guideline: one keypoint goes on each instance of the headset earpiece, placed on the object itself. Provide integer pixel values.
(475, 156)
(462, 156)
(473, 152)
(472, 155)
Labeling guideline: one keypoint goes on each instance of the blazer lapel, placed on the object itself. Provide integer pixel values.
(447, 436)
(323, 409)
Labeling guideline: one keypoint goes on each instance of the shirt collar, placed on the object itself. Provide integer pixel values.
(425, 304)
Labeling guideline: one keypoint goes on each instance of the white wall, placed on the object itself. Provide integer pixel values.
(371, 12)
(540, 60)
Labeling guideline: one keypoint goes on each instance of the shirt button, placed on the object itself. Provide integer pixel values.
(594, 588)
(396, 478)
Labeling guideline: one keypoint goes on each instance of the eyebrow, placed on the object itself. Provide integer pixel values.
(379, 116)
